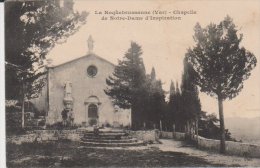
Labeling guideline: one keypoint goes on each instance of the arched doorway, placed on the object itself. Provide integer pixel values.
(92, 114)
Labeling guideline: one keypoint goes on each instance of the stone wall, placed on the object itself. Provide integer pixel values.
(45, 135)
(149, 136)
(146, 136)
(166, 135)
(21, 139)
(179, 135)
(171, 135)
(232, 148)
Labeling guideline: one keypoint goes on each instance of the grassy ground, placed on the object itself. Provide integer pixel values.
(71, 154)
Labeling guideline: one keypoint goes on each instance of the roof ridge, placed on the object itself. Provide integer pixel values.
(88, 55)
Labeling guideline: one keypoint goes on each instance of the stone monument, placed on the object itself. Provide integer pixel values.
(67, 113)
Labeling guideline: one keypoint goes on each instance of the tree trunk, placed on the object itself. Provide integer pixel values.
(23, 97)
(160, 125)
(222, 126)
(188, 128)
(133, 121)
(197, 130)
(23, 113)
(137, 122)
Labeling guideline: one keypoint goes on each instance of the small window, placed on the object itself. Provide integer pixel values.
(92, 71)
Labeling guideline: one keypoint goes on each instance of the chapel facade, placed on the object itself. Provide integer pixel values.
(78, 87)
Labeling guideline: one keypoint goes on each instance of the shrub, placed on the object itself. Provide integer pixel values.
(92, 121)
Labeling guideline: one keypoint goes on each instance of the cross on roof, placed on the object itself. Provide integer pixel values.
(90, 44)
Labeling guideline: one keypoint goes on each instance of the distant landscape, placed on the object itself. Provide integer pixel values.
(245, 129)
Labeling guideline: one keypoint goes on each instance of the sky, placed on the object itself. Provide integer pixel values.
(164, 43)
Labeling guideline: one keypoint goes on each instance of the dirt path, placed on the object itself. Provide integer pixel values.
(177, 146)
(73, 154)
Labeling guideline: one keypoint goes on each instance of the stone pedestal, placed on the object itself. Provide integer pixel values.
(68, 103)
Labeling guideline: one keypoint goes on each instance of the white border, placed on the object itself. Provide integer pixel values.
(2, 90)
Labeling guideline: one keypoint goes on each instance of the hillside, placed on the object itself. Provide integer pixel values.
(245, 129)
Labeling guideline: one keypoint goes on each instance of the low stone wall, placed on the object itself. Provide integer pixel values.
(210, 144)
(172, 135)
(45, 135)
(232, 148)
(166, 135)
(146, 136)
(179, 136)
(21, 138)
(73, 135)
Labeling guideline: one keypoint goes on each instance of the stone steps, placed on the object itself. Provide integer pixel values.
(106, 137)
(109, 138)
(105, 144)
(107, 134)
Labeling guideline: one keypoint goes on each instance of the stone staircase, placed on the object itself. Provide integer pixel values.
(110, 138)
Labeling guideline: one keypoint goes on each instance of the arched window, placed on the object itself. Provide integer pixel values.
(92, 111)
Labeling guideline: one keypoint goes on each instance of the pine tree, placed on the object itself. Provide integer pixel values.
(127, 84)
(32, 30)
(220, 63)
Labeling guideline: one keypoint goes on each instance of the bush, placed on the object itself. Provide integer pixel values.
(107, 125)
(41, 121)
(92, 121)
(13, 120)
(14, 116)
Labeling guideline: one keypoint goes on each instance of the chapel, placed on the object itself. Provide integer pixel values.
(77, 86)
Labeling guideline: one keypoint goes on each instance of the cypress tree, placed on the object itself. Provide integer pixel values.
(127, 84)
(178, 115)
(171, 108)
(154, 101)
(190, 98)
